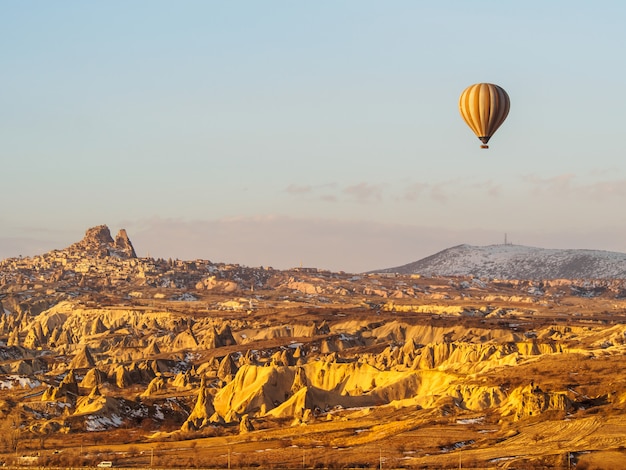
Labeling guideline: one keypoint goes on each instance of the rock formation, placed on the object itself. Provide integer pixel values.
(93, 378)
(227, 368)
(66, 391)
(123, 245)
(156, 385)
(202, 412)
(245, 425)
(172, 345)
(98, 243)
(83, 359)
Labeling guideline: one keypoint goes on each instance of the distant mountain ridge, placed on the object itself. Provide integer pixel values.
(518, 262)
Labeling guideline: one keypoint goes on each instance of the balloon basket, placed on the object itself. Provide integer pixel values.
(484, 146)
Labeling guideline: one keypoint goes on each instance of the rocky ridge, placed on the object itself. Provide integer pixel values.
(94, 339)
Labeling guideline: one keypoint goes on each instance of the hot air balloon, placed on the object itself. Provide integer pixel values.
(484, 107)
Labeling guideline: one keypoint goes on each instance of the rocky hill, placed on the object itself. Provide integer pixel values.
(99, 243)
(179, 364)
(518, 262)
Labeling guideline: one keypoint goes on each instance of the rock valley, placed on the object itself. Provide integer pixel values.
(105, 356)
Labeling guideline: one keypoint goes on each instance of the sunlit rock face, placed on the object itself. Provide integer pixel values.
(123, 244)
(202, 412)
(99, 243)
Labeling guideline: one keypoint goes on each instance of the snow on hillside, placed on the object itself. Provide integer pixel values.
(17, 381)
(518, 262)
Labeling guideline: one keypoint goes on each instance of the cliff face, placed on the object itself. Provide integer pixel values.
(122, 244)
(98, 242)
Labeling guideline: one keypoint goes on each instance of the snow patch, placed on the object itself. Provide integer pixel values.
(470, 420)
(10, 382)
(520, 262)
(102, 423)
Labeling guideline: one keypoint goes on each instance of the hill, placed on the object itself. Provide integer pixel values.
(148, 363)
(518, 262)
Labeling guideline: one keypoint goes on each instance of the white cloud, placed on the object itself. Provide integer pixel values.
(568, 185)
(413, 191)
(364, 192)
(297, 189)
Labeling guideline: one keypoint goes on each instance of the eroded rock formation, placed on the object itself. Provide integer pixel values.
(108, 340)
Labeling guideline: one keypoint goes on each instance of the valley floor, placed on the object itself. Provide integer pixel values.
(448, 375)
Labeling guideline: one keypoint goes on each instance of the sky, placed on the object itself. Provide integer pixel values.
(322, 134)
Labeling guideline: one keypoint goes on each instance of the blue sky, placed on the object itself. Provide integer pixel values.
(326, 134)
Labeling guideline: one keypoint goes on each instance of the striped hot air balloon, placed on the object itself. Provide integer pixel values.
(484, 107)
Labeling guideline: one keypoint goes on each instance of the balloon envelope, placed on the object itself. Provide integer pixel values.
(484, 107)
